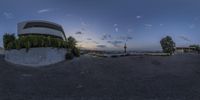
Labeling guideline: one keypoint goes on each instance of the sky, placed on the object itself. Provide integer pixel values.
(109, 24)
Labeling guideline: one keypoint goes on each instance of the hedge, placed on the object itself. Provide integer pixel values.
(11, 42)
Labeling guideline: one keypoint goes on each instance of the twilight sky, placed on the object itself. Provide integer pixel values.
(108, 24)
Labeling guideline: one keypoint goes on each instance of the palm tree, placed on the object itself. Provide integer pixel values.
(72, 42)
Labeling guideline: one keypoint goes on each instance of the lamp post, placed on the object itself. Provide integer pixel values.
(125, 47)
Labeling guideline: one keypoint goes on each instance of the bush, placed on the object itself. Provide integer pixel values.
(8, 39)
(10, 42)
(69, 56)
(32, 41)
(76, 52)
(168, 45)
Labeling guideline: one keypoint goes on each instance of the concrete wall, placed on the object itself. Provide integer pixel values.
(35, 56)
(1, 51)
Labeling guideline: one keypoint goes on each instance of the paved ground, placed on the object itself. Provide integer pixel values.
(87, 78)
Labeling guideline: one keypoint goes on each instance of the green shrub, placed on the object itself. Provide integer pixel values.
(7, 39)
(76, 51)
(69, 56)
(31, 41)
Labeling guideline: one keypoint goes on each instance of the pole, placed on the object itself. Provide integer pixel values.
(125, 48)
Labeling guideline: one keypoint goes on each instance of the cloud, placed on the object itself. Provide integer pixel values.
(116, 29)
(84, 24)
(115, 43)
(8, 15)
(192, 26)
(129, 38)
(130, 30)
(148, 25)
(79, 41)
(79, 33)
(125, 38)
(185, 38)
(106, 36)
(138, 17)
(89, 39)
(43, 11)
(101, 46)
(115, 25)
(83, 29)
(95, 42)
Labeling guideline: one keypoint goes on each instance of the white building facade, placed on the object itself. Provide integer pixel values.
(40, 27)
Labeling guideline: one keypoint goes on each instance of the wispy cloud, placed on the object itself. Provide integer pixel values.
(130, 30)
(8, 15)
(79, 33)
(43, 11)
(84, 24)
(148, 26)
(115, 43)
(95, 42)
(125, 38)
(192, 26)
(185, 38)
(115, 25)
(106, 36)
(116, 29)
(101, 46)
(138, 17)
(89, 39)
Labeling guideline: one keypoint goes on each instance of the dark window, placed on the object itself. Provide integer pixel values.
(43, 24)
(36, 34)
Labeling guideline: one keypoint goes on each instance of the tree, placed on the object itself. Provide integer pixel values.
(168, 45)
(197, 47)
(8, 39)
(72, 42)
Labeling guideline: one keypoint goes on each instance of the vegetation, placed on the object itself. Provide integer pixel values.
(10, 41)
(72, 42)
(168, 45)
(76, 51)
(197, 47)
(69, 56)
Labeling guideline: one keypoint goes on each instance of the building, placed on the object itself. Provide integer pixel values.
(40, 27)
(185, 50)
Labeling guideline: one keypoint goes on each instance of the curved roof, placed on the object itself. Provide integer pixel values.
(40, 24)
